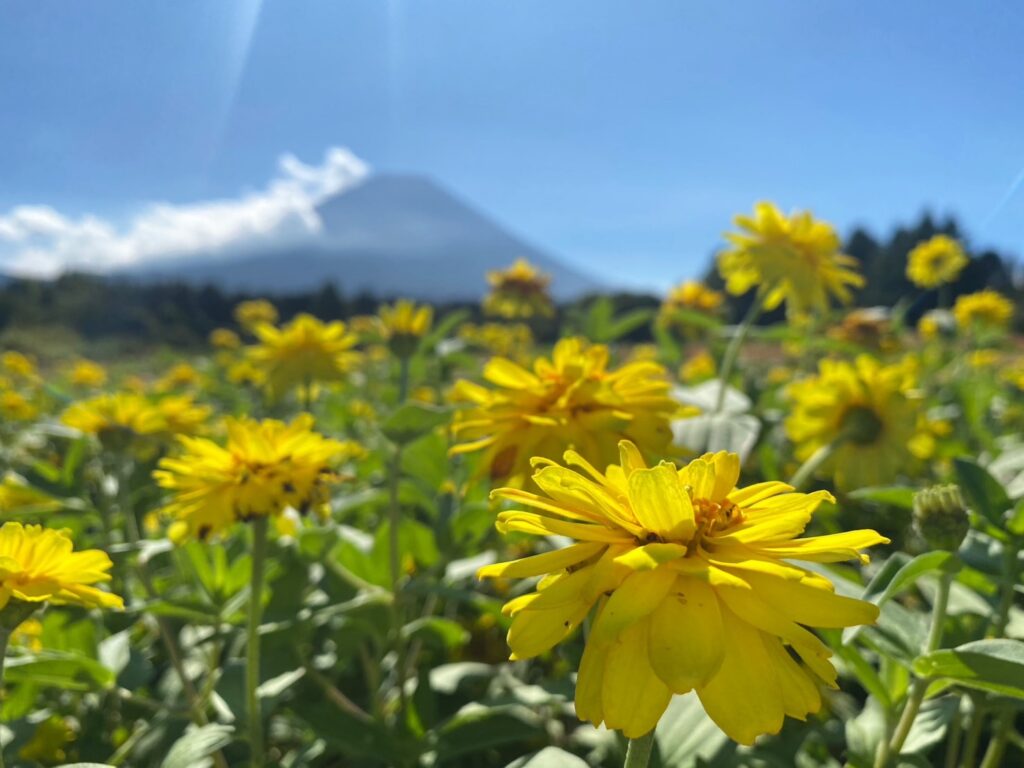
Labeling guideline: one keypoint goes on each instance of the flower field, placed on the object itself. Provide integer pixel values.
(786, 538)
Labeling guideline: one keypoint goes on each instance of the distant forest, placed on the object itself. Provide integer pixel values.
(182, 315)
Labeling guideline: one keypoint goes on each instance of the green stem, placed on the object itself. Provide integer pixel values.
(920, 685)
(814, 462)
(974, 734)
(1008, 587)
(994, 754)
(956, 735)
(638, 753)
(732, 352)
(252, 661)
(13, 614)
(394, 543)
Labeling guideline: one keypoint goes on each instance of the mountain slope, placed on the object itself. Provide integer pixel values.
(391, 235)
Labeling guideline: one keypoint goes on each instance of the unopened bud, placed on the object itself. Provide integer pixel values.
(940, 516)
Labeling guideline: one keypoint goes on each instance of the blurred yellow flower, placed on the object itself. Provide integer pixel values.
(362, 410)
(571, 400)
(48, 741)
(86, 373)
(795, 259)
(29, 635)
(255, 312)
(244, 372)
(134, 383)
(38, 564)
(17, 364)
(692, 586)
(18, 496)
(302, 352)
(265, 467)
(134, 413)
(934, 323)
(182, 415)
(518, 291)
(16, 407)
(224, 338)
(983, 358)
(404, 324)
(935, 262)
(513, 340)
(870, 409)
(179, 376)
(690, 295)
(423, 395)
(698, 368)
(866, 327)
(984, 309)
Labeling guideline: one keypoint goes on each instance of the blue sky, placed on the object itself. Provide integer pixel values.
(621, 136)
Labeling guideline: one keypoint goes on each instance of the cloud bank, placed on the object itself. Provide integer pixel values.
(37, 240)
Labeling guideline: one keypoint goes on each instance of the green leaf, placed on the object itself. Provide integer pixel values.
(891, 495)
(412, 421)
(476, 728)
(194, 748)
(549, 757)
(437, 631)
(686, 736)
(626, 323)
(907, 575)
(983, 492)
(996, 666)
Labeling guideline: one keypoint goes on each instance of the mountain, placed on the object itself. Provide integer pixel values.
(391, 235)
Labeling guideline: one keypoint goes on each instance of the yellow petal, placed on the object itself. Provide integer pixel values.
(660, 503)
(633, 696)
(530, 522)
(699, 475)
(811, 606)
(535, 631)
(752, 494)
(546, 562)
(743, 697)
(650, 556)
(685, 641)
(833, 548)
(505, 373)
(800, 694)
(590, 681)
(637, 596)
(630, 457)
(727, 473)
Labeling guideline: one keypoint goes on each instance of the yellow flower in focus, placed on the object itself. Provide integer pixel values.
(404, 324)
(935, 262)
(179, 376)
(693, 590)
(870, 408)
(47, 743)
(224, 338)
(265, 467)
(16, 407)
(698, 368)
(17, 364)
(795, 259)
(304, 351)
(520, 291)
(86, 373)
(984, 309)
(255, 312)
(571, 400)
(38, 564)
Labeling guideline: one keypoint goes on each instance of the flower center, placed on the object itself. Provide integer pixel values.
(861, 425)
(712, 516)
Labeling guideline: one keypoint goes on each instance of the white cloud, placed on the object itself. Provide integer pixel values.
(38, 240)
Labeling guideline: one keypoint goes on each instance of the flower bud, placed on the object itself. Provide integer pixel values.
(940, 516)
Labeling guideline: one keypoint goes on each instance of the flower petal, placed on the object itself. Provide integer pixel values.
(685, 640)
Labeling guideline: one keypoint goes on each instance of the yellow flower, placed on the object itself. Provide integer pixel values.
(423, 395)
(984, 309)
(934, 323)
(867, 327)
(518, 291)
(136, 414)
(872, 409)
(571, 400)
(250, 314)
(224, 338)
(29, 635)
(17, 364)
(179, 376)
(265, 467)
(362, 410)
(38, 564)
(935, 262)
(700, 367)
(86, 373)
(302, 352)
(16, 407)
(795, 259)
(18, 496)
(404, 324)
(244, 372)
(513, 340)
(693, 296)
(692, 587)
(983, 358)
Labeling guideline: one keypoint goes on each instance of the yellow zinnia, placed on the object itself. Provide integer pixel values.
(935, 262)
(404, 324)
(690, 295)
(304, 351)
(38, 564)
(868, 411)
(692, 587)
(518, 291)
(572, 400)
(795, 259)
(984, 309)
(135, 414)
(179, 376)
(255, 312)
(265, 467)
(18, 364)
(16, 407)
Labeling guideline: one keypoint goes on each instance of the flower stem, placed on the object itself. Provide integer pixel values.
(974, 734)
(814, 462)
(13, 614)
(638, 753)
(994, 754)
(252, 645)
(918, 688)
(732, 352)
(1011, 570)
(394, 543)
